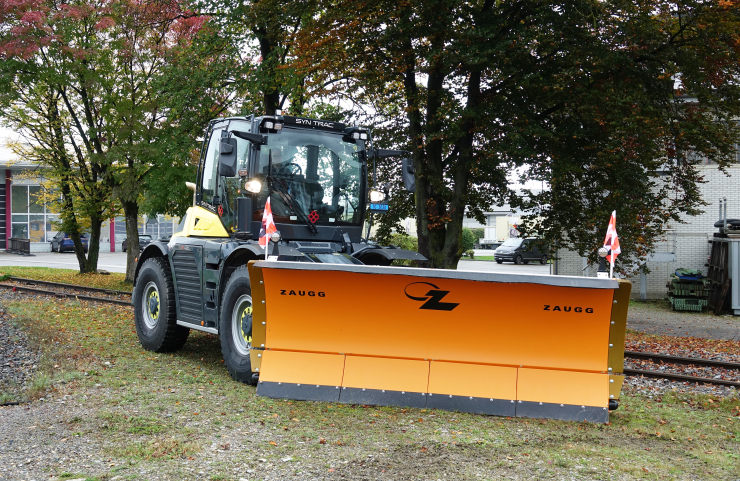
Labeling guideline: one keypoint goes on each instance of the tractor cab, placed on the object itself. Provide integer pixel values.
(313, 171)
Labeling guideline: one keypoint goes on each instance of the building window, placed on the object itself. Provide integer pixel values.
(30, 218)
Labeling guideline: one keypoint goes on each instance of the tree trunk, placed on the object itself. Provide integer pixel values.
(93, 251)
(131, 213)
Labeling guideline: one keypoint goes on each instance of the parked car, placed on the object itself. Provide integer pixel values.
(521, 251)
(63, 242)
(144, 240)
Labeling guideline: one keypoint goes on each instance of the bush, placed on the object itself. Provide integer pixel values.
(470, 253)
(468, 239)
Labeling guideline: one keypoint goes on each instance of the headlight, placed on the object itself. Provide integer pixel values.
(253, 186)
(376, 196)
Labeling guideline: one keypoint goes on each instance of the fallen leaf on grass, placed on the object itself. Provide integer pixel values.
(322, 441)
(273, 443)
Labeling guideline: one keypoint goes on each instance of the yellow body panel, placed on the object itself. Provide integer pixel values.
(202, 223)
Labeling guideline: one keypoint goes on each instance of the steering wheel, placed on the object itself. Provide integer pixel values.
(290, 168)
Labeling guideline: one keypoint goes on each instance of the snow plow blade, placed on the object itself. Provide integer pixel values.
(500, 344)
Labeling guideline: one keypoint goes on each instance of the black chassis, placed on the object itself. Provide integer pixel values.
(209, 262)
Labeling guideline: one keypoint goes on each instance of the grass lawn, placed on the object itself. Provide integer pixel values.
(114, 280)
(175, 416)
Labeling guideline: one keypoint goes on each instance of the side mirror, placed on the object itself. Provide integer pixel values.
(408, 173)
(227, 157)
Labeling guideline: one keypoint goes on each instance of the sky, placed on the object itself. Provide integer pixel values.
(5, 135)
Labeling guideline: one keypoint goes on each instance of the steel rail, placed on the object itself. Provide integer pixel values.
(64, 295)
(679, 377)
(72, 286)
(681, 360)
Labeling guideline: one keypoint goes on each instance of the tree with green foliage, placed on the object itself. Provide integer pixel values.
(96, 67)
(581, 93)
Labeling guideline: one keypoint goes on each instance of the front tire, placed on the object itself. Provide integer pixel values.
(518, 259)
(154, 308)
(499, 261)
(235, 326)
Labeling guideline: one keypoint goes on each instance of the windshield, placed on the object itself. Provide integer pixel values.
(512, 243)
(145, 237)
(314, 175)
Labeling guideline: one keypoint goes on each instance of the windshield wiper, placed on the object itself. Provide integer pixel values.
(274, 183)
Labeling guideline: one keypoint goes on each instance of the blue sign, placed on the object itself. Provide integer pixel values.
(379, 207)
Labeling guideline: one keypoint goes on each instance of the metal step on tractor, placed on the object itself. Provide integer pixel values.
(321, 313)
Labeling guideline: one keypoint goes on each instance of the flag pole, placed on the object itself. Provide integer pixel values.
(611, 268)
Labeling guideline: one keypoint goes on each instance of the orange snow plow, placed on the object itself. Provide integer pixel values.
(500, 344)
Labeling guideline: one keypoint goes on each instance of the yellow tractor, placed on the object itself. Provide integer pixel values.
(321, 314)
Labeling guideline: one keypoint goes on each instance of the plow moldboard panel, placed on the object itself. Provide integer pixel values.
(513, 345)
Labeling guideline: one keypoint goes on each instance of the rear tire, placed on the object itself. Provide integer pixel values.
(543, 259)
(518, 259)
(235, 326)
(155, 314)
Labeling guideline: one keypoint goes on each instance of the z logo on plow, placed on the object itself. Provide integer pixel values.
(432, 298)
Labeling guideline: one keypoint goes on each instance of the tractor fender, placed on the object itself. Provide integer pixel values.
(233, 258)
(384, 256)
(242, 254)
(154, 249)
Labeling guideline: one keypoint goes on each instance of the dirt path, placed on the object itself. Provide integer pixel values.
(654, 318)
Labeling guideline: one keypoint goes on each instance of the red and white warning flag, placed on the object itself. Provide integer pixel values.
(268, 226)
(611, 242)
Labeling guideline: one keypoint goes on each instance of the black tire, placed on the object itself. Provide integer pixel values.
(123, 246)
(235, 326)
(52, 246)
(499, 261)
(543, 259)
(154, 308)
(518, 259)
(525, 262)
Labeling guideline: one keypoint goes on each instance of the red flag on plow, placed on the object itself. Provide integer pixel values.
(611, 242)
(268, 226)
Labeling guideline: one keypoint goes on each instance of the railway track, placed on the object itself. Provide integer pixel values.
(68, 291)
(667, 360)
(82, 293)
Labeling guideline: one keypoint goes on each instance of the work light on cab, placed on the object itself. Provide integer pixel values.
(376, 196)
(254, 186)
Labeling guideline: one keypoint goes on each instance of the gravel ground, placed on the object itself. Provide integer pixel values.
(17, 361)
